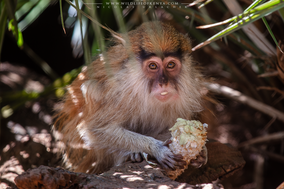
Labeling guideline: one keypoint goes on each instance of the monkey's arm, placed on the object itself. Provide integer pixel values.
(117, 138)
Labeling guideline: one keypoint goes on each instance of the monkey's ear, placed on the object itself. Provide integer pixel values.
(119, 38)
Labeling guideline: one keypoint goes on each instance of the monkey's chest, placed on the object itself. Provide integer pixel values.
(151, 128)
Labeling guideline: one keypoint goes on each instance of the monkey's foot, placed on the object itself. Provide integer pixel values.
(136, 157)
(201, 159)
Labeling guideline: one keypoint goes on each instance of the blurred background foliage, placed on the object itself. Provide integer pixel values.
(239, 42)
(90, 23)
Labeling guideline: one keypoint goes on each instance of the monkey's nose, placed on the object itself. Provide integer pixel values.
(163, 84)
(163, 81)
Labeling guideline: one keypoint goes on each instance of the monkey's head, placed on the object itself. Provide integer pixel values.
(164, 55)
(156, 70)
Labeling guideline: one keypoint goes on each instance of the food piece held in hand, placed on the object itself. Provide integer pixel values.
(188, 139)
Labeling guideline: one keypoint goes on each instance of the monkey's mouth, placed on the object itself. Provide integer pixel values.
(164, 96)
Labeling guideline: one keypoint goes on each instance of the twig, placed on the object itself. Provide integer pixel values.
(269, 123)
(269, 74)
(238, 96)
(39, 61)
(262, 139)
(270, 89)
(278, 100)
(258, 170)
(236, 71)
(269, 154)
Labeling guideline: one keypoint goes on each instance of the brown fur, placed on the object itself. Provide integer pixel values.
(108, 112)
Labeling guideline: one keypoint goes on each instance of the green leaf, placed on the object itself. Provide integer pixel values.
(271, 33)
(20, 41)
(13, 25)
(3, 25)
(61, 16)
(18, 34)
(206, 3)
(240, 40)
(10, 25)
(40, 62)
(244, 19)
(100, 40)
(281, 12)
(24, 7)
(254, 4)
(34, 13)
(21, 3)
(119, 17)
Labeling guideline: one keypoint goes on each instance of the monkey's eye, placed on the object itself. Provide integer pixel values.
(171, 65)
(153, 66)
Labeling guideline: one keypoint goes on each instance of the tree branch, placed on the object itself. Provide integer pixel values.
(238, 96)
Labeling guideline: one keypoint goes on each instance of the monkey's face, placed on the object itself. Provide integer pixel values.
(162, 73)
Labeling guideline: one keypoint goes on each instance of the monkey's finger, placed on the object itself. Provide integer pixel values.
(132, 157)
(198, 162)
(167, 142)
(204, 154)
(180, 163)
(138, 157)
(168, 165)
(178, 157)
(195, 164)
(175, 161)
(135, 157)
(163, 165)
(171, 162)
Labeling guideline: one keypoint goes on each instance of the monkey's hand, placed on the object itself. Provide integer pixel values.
(166, 158)
(201, 159)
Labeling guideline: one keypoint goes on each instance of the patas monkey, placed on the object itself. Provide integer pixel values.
(124, 103)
